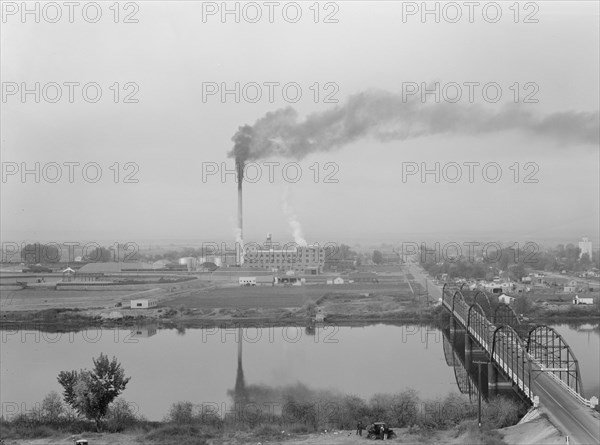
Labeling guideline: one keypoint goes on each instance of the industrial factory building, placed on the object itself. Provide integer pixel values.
(273, 257)
(307, 260)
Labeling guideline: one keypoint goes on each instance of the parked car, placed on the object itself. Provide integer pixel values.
(379, 430)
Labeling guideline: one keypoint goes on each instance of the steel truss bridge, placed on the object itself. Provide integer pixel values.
(533, 360)
(520, 352)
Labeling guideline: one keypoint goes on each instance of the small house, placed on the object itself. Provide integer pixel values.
(145, 303)
(578, 300)
(506, 299)
(338, 280)
(247, 281)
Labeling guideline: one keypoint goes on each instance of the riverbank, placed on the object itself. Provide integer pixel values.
(451, 419)
(329, 438)
(536, 431)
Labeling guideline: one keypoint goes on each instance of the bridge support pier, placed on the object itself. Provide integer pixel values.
(473, 351)
(468, 351)
(497, 383)
(455, 328)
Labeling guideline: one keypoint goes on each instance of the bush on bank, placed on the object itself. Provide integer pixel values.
(187, 423)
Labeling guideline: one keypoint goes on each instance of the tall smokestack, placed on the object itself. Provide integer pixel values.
(240, 240)
(242, 140)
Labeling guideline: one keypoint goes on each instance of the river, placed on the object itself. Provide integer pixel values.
(206, 366)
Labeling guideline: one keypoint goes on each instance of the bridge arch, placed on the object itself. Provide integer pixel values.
(463, 379)
(506, 315)
(484, 297)
(461, 310)
(549, 348)
(481, 312)
(510, 352)
(478, 322)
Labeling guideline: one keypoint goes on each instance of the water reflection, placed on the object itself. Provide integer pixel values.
(303, 363)
(464, 381)
(143, 332)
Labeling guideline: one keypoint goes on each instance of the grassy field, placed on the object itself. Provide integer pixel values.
(394, 296)
(277, 297)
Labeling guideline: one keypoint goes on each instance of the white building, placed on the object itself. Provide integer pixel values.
(247, 281)
(190, 262)
(579, 300)
(585, 246)
(145, 303)
(506, 299)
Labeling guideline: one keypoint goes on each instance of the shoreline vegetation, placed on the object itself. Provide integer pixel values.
(293, 413)
(172, 317)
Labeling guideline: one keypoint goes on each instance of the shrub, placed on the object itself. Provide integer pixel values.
(352, 410)
(500, 412)
(268, 431)
(181, 413)
(52, 407)
(120, 416)
(178, 435)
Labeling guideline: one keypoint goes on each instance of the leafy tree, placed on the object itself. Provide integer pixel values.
(377, 257)
(343, 252)
(52, 407)
(90, 393)
(100, 255)
(181, 413)
(40, 253)
(522, 305)
(120, 415)
(517, 272)
(572, 252)
(585, 259)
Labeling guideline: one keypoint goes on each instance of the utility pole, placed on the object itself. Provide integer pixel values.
(479, 363)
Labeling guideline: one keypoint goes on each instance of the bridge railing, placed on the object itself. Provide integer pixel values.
(592, 402)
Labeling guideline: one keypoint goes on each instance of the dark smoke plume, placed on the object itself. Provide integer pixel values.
(387, 117)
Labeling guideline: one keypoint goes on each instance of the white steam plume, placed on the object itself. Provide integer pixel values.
(295, 226)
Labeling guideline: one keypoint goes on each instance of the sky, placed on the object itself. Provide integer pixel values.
(161, 148)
